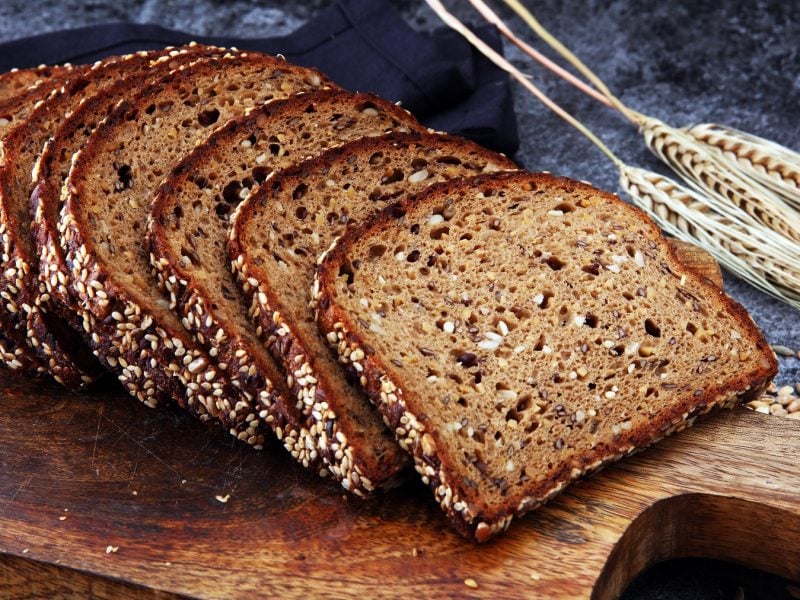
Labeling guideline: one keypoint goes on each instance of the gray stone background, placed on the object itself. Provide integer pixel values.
(685, 61)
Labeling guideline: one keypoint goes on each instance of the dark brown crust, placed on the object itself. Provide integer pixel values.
(16, 81)
(56, 344)
(19, 355)
(383, 383)
(54, 327)
(266, 305)
(195, 382)
(195, 304)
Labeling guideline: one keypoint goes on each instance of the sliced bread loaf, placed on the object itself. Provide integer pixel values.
(188, 229)
(279, 232)
(521, 330)
(111, 184)
(55, 336)
(58, 345)
(51, 170)
(17, 81)
(14, 349)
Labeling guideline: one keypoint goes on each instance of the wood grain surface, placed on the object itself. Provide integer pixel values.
(191, 512)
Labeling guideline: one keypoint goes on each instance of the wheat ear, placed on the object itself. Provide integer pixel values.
(744, 245)
(772, 165)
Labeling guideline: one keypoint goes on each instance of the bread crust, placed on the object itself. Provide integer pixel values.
(16, 352)
(17, 81)
(404, 410)
(246, 368)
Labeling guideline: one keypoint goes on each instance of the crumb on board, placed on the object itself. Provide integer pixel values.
(62, 518)
(471, 583)
(111, 549)
(223, 499)
(535, 576)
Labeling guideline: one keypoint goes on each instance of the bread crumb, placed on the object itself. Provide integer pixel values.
(62, 518)
(26, 550)
(112, 549)
(414, 552)
(535, 576)
(471, 583)
(223, 499)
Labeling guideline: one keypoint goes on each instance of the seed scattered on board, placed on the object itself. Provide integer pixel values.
(781, 402)
(223, 499)
(471, 583)
(112, 549)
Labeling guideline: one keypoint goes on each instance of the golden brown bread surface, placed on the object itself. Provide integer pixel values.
(520, 330)
(188, 229)
(111, 185)
(278, 234)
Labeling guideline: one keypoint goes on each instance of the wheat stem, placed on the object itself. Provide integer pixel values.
(576, 62)
(495, 20)
(499, 60)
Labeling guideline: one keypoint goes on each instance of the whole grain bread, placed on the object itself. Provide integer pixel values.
(277, 235)
(50, 173)
(519, 331)
(17, 81)
(188, 229)
(14, 349)
(56, 336)
(57, 343)
(111, 184)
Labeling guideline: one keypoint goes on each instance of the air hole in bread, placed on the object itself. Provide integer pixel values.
(564, 207)
(124, 177)
(208, 117)
(439, 232)
(393, 176)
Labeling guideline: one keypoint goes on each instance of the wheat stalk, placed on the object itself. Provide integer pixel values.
(757, 175)
(739, 240)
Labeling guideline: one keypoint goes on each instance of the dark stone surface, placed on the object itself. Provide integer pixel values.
(686, 61)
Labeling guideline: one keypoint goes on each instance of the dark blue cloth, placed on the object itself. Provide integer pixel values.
(363, 45)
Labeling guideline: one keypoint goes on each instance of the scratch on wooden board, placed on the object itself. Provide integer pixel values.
(16, 493)
(97, 437)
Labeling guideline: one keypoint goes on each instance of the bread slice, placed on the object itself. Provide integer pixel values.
(521, 330)
(111, 184)
(56, 344)
(17, 81)
(277, 235)
(54, 301)
(14, 350)
(193, 268)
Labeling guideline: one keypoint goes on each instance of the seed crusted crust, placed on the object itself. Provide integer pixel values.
(17, 81)
(193, 378)
(327, 113)
(405, 412)
(305, 375)
(57, 345)
(18, 355)
(54, 329)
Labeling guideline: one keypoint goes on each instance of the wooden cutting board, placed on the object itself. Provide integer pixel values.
(102, 497)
